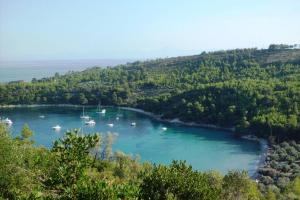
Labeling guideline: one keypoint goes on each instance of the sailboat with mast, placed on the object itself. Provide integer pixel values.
(99, 110)
(83, 116)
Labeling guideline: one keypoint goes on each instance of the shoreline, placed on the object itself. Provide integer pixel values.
(178, 121)
(157, 117)
(263, 142)
(43, 105)
(262, 157)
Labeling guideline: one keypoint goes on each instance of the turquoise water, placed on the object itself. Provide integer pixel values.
(204, 149)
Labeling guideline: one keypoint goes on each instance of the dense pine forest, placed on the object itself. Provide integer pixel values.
(252, 90)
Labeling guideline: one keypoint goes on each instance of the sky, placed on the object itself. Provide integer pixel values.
(140, 29)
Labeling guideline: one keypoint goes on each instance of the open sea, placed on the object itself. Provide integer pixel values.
(26, 70)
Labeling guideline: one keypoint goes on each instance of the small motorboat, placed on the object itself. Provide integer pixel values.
(133, 124)
(117, 118)
(7, 121)
(57, 127)
(84, 117)
(110, 125)
(90, 122)
(42, 116)
(164, 128)
(103, 111)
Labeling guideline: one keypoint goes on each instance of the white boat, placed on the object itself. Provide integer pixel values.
(99, 111)
(117, 118)
(7, 121)
(42, 116)
(110, 125)
(90, 122)
(164, 128)
(133, 124)
(83, 116)
(57, 127)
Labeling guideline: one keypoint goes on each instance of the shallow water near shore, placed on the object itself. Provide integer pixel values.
(204, 149)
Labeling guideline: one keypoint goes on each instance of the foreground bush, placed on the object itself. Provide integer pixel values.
(75, 168)
(179, 181)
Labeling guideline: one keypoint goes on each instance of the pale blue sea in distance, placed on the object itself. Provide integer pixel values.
(26, 70)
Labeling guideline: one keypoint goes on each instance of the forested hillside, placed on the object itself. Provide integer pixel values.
(253, 90)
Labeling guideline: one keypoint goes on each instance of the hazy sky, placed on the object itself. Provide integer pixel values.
(95, 29)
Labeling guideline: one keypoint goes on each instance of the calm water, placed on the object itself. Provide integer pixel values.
(26, 70)
(204, 149)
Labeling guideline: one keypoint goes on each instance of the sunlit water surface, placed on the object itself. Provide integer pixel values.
(204, 149)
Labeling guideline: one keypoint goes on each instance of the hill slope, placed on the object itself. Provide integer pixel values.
(253, 90)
